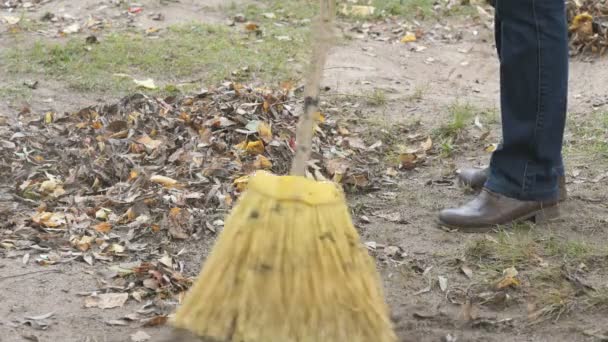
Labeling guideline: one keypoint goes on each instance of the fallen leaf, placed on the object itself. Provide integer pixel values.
(164, 181)
(83, 243)
(156, 321)
(47, 219)
(356, 143)
(265, 132)
(241, 183)
(149, 142)
(252, 27)
(357, 10)
(41, 317)
(467, 271)
(255, 147)
(262, 162)
(427, 144)
(74, 28)
(140, 336)
(147, 83)
(102, 214)
(509, 279)
(443, 283)
(408, 38)
(106, 300)
(408, 161)
(491, 148)
(11, 20)
(103, 227)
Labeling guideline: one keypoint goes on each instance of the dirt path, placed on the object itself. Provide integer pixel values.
(419, 86)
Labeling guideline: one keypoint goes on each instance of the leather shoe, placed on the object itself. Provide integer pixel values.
(490, 209)
(476, 179)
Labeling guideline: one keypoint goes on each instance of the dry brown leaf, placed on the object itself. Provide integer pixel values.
(103, 227)
(252, 27)
(356, 143)
(47, 219)
(83, 243)
(408, 161)
(427, 144)
(149, 143)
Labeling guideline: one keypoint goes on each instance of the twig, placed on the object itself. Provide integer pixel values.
(29, 273)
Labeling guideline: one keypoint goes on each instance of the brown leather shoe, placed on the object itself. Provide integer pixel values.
(489, 210)
(476, 179)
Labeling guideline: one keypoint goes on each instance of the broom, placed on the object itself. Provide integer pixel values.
(289, 265)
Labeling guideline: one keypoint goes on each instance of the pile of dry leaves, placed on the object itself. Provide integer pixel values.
(105, 184)
(588, 29)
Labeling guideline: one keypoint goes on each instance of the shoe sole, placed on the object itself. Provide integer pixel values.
(539, 217)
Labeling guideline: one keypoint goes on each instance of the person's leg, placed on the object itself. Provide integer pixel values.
(532, 43)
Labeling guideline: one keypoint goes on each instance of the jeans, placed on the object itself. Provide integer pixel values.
(532, 43)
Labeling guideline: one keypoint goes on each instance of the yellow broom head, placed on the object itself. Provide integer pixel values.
(288, 267)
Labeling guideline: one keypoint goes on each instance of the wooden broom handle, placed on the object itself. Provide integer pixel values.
(322, 38)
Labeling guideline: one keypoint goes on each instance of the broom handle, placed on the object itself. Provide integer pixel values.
(321, 35)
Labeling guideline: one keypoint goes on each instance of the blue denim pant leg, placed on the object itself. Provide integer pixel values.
(532, 42)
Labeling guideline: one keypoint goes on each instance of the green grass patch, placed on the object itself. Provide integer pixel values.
(188, 52)
(460, 116)
(589, 136)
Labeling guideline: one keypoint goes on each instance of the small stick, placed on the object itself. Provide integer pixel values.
(322, 38)
(29, 273)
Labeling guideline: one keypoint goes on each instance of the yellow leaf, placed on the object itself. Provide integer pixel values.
(262, 162)
(319, 117)
(508, 282)
(47, 219)
(133, 175)
(266, 106)
(39, 159)
(265, 132)
(408, 38)
(174, 212)
(241, 183)
(491, 148)
(255, 147)
(164, 181)
(103, 227)
(48, 117)
(242, 145)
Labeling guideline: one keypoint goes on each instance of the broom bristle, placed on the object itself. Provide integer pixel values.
(288, 267)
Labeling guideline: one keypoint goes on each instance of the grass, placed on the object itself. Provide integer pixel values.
(184, 53)
(461, 116)
(545, 264)
(590, 135)
(376, 98)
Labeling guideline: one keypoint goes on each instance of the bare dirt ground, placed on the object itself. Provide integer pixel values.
(418, 86)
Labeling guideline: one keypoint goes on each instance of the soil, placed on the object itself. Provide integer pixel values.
(466, 69)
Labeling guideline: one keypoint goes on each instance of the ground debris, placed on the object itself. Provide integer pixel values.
(588, 26)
